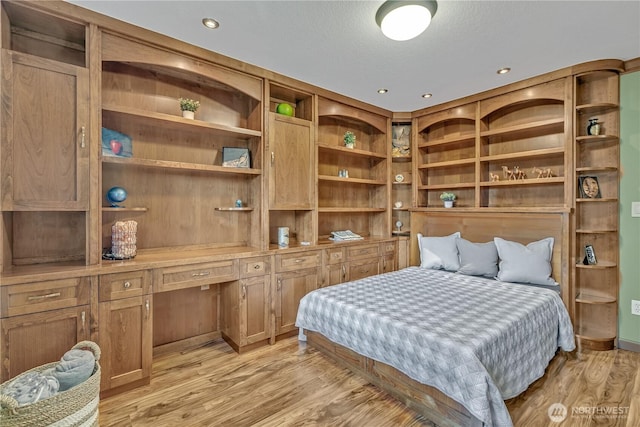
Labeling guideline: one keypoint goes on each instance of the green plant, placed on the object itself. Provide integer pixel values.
(349, 138)
(187, 104)
(447, 197)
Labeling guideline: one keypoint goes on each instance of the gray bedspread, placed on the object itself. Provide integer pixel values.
(477, 340)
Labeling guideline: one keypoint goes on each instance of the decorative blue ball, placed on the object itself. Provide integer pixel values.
(116, 195)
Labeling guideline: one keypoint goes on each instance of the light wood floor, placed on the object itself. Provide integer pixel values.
(289, 385)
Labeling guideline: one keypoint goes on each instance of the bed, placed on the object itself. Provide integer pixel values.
(452, 346)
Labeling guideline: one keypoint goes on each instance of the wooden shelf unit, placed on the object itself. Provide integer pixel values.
(176, 167)
(596, 95)
(361, 202)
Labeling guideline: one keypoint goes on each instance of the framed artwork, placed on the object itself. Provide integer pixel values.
(589, 187)
(401, 141)
(233, 157)
(589, 256)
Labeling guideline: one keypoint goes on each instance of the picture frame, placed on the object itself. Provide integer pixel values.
(590, 255)
(234, 157)
(589, 187)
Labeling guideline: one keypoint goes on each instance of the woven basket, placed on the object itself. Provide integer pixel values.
(77, 407)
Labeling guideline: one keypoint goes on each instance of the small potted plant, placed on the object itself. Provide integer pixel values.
(349, 139)
(188, 107)
(448, 199)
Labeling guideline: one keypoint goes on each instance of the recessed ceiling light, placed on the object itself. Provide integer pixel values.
(210, 23)
(383, 90)
(427, 95)
(504, 70)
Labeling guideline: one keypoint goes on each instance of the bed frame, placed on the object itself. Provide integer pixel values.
(523, 227)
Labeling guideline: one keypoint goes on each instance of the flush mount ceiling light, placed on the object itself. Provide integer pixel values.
(504, 70)
(427, 95)
(381, 91)
(210, 23)
(404, 20)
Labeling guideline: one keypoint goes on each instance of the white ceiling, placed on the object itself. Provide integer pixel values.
(338, 46)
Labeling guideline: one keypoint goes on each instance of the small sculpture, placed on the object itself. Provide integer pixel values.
(508, 173)
(542, 173)
(494, 177)
(518, 173)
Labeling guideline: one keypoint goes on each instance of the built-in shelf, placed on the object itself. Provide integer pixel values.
(596, 138)
(350, 210)
(233, 208)
(599, 265)
(159, 118)
(600, 200)
(524, 154)
(401, 159)
(447, 186)
(351, 180)
(585, 298)
(541, 127)
(595, 107)
(470, 137)
(449, 163)
(123, 209)
(352, 151)
(526, 181)
(166, 164)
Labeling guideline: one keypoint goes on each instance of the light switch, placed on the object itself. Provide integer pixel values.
(635, 209)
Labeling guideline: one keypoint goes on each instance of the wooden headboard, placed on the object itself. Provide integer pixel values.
(522, 227)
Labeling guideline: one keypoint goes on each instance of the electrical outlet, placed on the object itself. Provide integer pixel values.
(635, 307)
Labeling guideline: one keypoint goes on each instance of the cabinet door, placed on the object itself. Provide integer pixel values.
(388, 263)
(290, 288)
(364, 268)
(254, 309)
(35, 339)
(291, 171)
(125, 328)
(335, 273)
(45, 144)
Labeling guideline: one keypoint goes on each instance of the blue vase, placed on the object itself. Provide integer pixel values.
(116, 195)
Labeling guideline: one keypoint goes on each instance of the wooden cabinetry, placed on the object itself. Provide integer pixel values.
(176, 169)
(296, 274)
(401, 178)
(246, 304)
(40, 321)
(353, 261)
(290, 152)
(596, 218)
(359, 202)
(125, 323)
(44, 150)
(476, 150)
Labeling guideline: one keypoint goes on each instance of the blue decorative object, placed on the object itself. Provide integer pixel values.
(116, 195)
(238, 203)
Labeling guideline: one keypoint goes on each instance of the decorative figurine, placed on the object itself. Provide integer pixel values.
(494, 177)
(116, 195)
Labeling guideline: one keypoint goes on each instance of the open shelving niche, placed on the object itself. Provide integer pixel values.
(401, 190)
(289, 154)
(459, 149)
(596, 219)
(359, 202)
(178, 191)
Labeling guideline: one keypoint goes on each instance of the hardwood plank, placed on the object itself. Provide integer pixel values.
(288, 384)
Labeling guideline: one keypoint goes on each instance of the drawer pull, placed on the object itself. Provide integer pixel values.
(344, 272)
(299, 260)
(127, 285)
(83, 134)
(146, 306)
(256, 267)
(83, 318)
(203, 274)
(244, 291)
(41, 297)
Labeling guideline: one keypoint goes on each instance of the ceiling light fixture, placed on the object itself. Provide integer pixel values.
(210, 23)
(383, 91)
(404, 20)
(504, 70)
(427, 95)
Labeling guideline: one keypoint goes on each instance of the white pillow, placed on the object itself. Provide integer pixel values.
(477, 259)
(439, 253)
(525, 264)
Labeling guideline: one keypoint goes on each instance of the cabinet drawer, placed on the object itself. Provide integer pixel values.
(257, 266)
(187, 276)
(124, 285)
(42, 296)
(335, 255)
(364, 251)
(388, 248)
(295, 261)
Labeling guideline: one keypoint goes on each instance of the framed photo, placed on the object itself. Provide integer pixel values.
(589, 187)
(233, 157)
(589, 256)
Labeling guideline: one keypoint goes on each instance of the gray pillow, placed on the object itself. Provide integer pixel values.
(525, 264)
(439, 253)
(477, 259)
